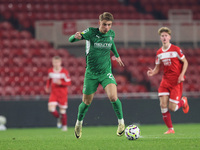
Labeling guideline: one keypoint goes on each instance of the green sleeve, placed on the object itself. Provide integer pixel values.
(73, 39)
(114, 50)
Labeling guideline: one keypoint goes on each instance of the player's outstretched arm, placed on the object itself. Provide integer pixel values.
(76, 37)
(152, 72)
(185, 65)
(120, 61)
(46, 89)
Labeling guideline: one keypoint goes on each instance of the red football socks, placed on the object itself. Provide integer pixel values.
(64, 119)
(55, 114)
(180, 104)
(167, 119)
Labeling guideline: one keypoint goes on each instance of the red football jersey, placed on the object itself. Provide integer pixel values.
(170, 58)
(53, 77)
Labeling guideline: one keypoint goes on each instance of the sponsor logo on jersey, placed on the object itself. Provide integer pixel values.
(110, 38)
(167, 62)
(102, 45)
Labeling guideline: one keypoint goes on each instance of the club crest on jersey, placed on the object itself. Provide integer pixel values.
(85, 31)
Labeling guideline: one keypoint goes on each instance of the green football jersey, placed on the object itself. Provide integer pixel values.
(98, 46)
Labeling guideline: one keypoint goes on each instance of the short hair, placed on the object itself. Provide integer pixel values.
(164, 29)
(56, 58)
(106, 16)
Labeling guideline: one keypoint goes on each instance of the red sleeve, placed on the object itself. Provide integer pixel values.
(157, 60)
(180, 53)
(67, 80)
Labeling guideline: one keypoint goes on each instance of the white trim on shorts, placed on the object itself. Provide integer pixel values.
(163, 93)
(56, 103)
(173, 101)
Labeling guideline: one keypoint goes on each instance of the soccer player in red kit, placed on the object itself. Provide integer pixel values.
(175, 65)
(58, 80)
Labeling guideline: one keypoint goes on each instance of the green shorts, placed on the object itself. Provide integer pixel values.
(91, 82)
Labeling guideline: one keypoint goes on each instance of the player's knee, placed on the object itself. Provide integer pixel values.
(51, 109)
(87, 102)
(62, 111)
(162, 105)
(112, 98)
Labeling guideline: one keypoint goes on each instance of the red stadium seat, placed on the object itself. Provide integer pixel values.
(5, 35)
(6, 44)
(15, 44)
(43, 44)
(25, 35)
(6, 26)
(15, 34)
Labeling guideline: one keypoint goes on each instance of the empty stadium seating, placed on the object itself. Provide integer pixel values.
(162, 7)
(25, 62)
(27, 12)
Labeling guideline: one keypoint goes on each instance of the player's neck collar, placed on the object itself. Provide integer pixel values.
(57, 70)
(164, 50)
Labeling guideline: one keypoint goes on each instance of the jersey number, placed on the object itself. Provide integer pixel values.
(110, 76)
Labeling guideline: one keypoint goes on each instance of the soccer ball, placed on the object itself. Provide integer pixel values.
(132, 132)
(2, 120)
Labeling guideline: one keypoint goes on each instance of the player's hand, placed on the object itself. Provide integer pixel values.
(78, 35)
(150, 72)
(46, 89)
(181, 78)
(120, 61)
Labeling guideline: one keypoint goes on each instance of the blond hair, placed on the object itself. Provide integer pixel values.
(164, 29)
(56, 58)
(106, 16)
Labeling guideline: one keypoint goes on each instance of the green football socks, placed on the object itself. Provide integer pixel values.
(117, 106)
(82, 109)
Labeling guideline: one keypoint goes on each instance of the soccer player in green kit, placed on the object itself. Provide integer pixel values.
(99, 42)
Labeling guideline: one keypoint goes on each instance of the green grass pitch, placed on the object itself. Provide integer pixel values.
(187, 136)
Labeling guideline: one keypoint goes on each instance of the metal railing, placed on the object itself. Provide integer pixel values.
(128, 32)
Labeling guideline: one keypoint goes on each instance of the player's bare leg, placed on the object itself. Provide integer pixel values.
(111, 90)
(83, 108)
